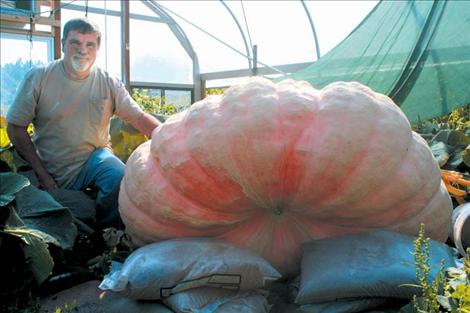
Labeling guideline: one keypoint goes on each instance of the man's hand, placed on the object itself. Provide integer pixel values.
(46, 182)
(24, 146)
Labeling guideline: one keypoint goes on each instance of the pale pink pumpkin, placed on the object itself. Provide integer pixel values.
(269, 166)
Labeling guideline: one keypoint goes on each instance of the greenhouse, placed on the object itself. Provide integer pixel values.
(235, 156)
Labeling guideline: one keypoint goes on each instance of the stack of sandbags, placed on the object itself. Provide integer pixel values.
(360, 272)
(195, 275)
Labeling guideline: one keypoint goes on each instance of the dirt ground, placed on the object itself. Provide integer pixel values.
(87, 298)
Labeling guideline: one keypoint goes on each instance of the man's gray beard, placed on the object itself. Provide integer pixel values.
(80, 66)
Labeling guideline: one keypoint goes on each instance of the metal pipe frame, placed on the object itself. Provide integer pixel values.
(250, 66)
(198, 78)
(287, 68)
(185, 43)
(315, 37)
(142, 17)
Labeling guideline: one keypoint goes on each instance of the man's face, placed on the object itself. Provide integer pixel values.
(80, 51)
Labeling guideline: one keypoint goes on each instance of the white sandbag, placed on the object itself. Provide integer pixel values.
(217, 300)
(375, 264)
(161, 269)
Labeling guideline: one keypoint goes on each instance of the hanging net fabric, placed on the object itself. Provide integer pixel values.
(417, 52)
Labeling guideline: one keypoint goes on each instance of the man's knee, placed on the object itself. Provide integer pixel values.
(111, 167)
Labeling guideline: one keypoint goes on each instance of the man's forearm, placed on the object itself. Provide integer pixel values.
(20, 138)
(146, 124)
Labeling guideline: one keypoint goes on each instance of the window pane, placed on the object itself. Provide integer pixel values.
(152, 101)
(334, 20)
(149, 98)
(138, 7)
(212, 17)
(156, 55)
(180, 99)
(283, 35)
(18, 56)
(100, 4)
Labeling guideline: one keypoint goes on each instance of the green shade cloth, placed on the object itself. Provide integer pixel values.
(416, 52)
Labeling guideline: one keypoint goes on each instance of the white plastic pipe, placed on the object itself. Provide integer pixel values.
(461, 227)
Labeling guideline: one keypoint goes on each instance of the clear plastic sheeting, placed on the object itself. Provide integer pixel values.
(334, 20)
(152, 61)
(201, 18)
(275, 26)
(221, 34)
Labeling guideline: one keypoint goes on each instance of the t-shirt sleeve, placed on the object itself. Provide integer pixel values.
(22, 111)
(125, 107)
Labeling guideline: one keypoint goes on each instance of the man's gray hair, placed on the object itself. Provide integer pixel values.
(81, 25)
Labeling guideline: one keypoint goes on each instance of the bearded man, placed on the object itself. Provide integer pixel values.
(70, 103)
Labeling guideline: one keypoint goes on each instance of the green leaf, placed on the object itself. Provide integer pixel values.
(454, 305)
(13, 219)
(41, 260)
(451, 137)
(22, 231)
(124, 140)
(466, 156)
(444, 302)
(429, 127)
(455, 158)
(36, 250)
(440, 151)
(462, 292)
(10, 184)
(39, 210)
(456, 137)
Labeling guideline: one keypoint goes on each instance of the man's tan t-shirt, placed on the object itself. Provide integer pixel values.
(71, 117)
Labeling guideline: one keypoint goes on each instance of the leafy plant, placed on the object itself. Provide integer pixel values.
(428, 301)
(449, 292)
(124, 139)
(68, 308)
(4, 139)
(456, 297)
(215, 91)
(152, 103)
(118, 247)
(458, 119)
(12, 183)
(30, 221)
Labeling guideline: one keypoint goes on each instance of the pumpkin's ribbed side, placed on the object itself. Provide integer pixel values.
(269, 166)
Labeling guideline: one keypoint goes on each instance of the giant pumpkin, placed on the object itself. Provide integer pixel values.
(269, 166)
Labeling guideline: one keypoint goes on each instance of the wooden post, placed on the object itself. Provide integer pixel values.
(56, 31)
(125, 64)
(203, 89)
(255, 60)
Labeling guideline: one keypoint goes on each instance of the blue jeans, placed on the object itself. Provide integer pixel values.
(103, 171)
